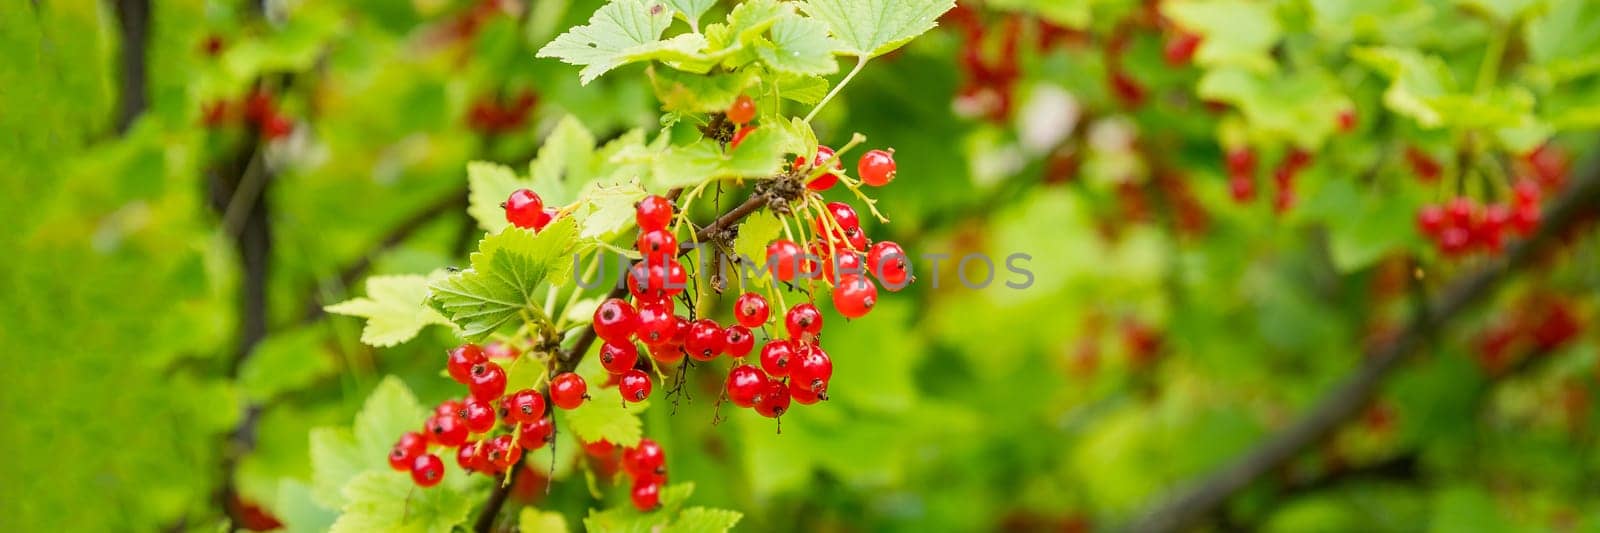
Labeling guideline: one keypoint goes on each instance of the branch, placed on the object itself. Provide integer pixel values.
(567, 360)
(134, 18)
(1344, 402)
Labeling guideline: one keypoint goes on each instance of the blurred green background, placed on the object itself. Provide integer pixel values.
(166, 356)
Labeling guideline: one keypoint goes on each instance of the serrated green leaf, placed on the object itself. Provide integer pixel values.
(395, 308)
(488, 186)
(870, 28)
(803, 89)
(565, 164)
(385, 500)
(755, 232)
(390, 411)
(798, 137)
(691, 10)
(608, 209)
(799, 45)
(682, 92)
(335, 460)
(704, 520)
(760, 155)
(626, 519)
(506, 270)
(620, 32)
(606, 419)
(1415, 80)
(533, 520)
(1235, 33)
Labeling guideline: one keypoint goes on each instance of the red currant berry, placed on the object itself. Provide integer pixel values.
(1462, 211)
(524, 407)
(467, 457)
(546, 216)
(737, 340)
(657, 244)
(843, 215)
(1527, 192)
(738, 136)
(876, 167)
(743, 110)
(451, 407)
(1455, 240)
(448, 430)
(656, 323)
(410, 445)
(856, 238)
(618, 358)
(600, 449)
(1296, 161)
(1490, 232)
(1180, 47)
(276, 126)
(803, 321)
(646, 494)
(634, 386)
(615, 320)
(776, 355)
(1127, 89)
(535, 435)
(427, 470)
(1525, 219)
(854, 296)
(502, 452)
(460, 362)
(1423, 165)
(813, 370)
(488, 381)
(803, 395)
(1242, 189)
(666, 353)
(500, 352)
(1241, 162)
(568, 391)
(773, 400)
(524, 208)
(784, 257)
(1347, 120)
(1430, 220)
(847, 263)
(705, 340)
(890, 264)
(680, 334)
(478, 415)
(744, 383)
(751, 310)
(826, 180)
(645, 460)
(650, 280)
(653, 213)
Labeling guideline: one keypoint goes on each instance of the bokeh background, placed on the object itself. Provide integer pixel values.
(167, 356)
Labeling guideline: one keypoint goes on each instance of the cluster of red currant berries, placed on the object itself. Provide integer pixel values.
(469, 425)
(490, 115)
(1463, 225)
(1241, 168)
(258, 109)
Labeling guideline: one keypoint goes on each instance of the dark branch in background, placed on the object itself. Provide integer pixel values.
(133, 17)
(1206, 495)
(568, 359)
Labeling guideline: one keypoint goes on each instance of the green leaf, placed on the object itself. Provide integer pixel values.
(620, 32)
(506, 270)
(565, 164)
(335, 460)
(691, 10)
(757, 230)
(1503, 11)
(612, 421)
(298, 510)
(385, 500)
(704, 520)
(532, 520)
(1298, 107)
(1415, 80)
(1562, 40)
(692, 93)
(285, 361)
(759, 156)
(390, 411)
(1234, 33)
(608, 209)
(803, 89)
(870, 28)
(488, 186)
(799, 45)
(395, 308)
(626, 519)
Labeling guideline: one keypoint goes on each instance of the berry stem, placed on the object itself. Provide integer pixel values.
(861, 61)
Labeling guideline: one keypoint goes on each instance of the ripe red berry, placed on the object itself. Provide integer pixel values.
(1525, 219)
(1180, 47)
(803, 321)
(737, 340)
(1241, 162)
(427, 470)
(467, 456)
(876, 168)
(646, 494)
(776, 356)
(856, 238)
(634, 385)
(1527, 192)
(524, 407)
(825, 180)
(1127, 90)
(451, 407)
(744, 383)
(276, 126)
(813, 369)
(599, 449)
(524, 208)
(650, 280)
(448, 430)
(751, 310)
(500, 352)
(501, 452)
(854, 296)
(535, 435)
(656, 322)
(844, 264)
(784, 257)
(1422, 164)
(743, 110)
(1242, 188)
(488, 381)
(620, 357)
(568, 390)
(410, 445)
(773, 399)
(705, 340)
(653, 213)
(890, 264)
(1347, 119)
(1430, 220)
(803, 395)
(738, 136)
(615, 320)
(1462, 210)
(657, 245)
(843, 214)
(478, 415)
(666, 353)
(645, 461)
(1490, 231)
(1455, 240)
(460, 361)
